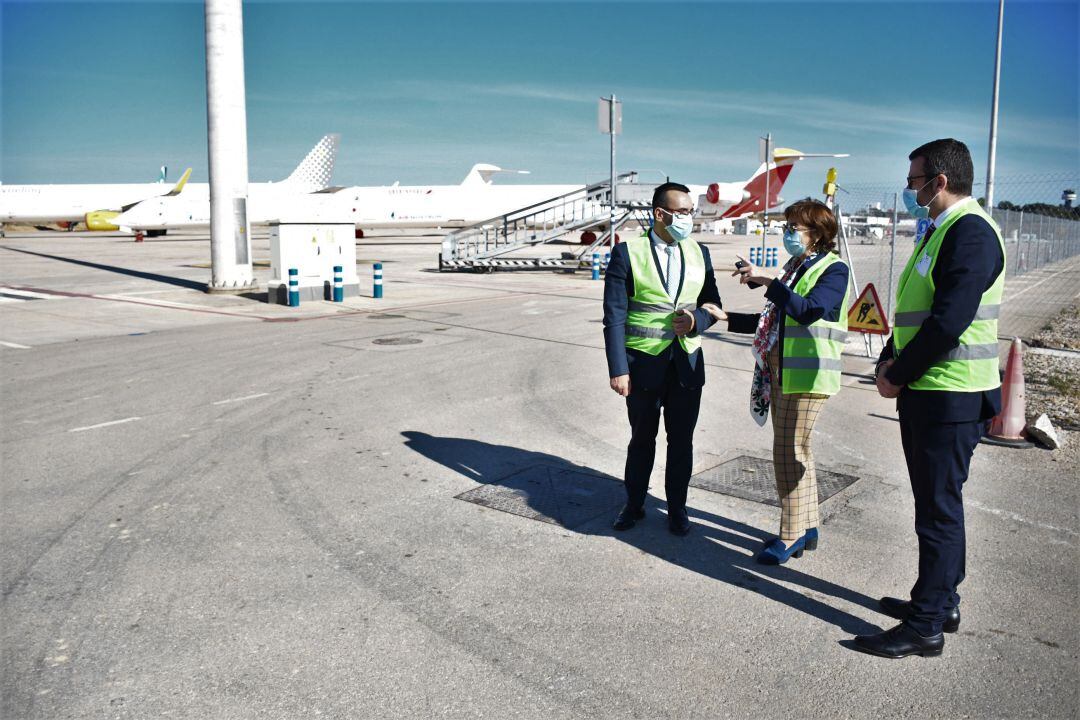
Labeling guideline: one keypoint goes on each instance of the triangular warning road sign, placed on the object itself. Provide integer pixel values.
(867, 314)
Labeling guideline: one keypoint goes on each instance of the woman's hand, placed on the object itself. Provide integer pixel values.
(751, 273)
(715, 310)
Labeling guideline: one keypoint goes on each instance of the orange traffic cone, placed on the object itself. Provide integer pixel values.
(1008, 426)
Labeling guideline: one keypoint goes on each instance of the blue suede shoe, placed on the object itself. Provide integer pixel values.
(777, 553)
(811, 538)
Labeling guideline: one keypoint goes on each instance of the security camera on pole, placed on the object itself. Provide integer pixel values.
(226, 124)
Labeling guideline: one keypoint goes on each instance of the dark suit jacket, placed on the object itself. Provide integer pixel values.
(649, 371)
(824, 301)
(969, 260)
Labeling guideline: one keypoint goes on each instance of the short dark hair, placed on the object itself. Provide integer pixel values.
(817, 217)
(950, 158)
(661, 190)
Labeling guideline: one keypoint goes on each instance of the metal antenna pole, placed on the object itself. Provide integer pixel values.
(994, 113)
(611, 217)
(765, 211)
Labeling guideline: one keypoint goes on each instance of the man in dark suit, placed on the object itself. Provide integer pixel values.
(653, 291)
(941, 364)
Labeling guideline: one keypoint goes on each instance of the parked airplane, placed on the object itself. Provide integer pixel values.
(391, 206)
(93, 204)
(474, 200)
(736, 199)
(103, 206)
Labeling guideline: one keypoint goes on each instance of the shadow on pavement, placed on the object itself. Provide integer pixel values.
(168, 279)
(717, 547)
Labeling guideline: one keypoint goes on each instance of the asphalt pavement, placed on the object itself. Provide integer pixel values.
(401, 508)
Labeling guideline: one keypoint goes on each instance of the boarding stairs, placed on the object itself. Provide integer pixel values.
(496, 243)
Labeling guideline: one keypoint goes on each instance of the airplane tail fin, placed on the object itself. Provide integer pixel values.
(317, 168)
(163, 174)
(482, 173)
(784, 160)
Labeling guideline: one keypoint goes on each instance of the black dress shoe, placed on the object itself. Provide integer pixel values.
(678, 522)
(628, 517)
(899, 642)
(901, 609)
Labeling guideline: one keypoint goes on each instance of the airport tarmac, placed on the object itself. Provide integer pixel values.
(218, 508)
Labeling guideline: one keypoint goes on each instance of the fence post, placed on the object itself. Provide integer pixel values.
(1019, 238)
(892, 257)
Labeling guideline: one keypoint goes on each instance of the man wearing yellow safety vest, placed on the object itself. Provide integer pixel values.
(653, 291)
(941, 365)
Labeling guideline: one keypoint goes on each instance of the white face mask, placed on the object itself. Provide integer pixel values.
(682, 224)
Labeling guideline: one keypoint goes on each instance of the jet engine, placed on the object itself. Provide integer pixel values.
(101, 220)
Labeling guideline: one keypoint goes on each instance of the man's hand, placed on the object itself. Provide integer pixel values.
(683, 323)
(885, 388)
(621, 385)
(715, 310)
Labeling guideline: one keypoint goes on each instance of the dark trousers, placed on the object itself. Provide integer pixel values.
(938, 456)
(680, 407)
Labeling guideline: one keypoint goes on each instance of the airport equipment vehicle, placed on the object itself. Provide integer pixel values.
(585, 211)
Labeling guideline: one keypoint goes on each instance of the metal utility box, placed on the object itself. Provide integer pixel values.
(313, 248)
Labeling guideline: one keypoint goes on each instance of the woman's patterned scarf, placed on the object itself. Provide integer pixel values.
(764, 339)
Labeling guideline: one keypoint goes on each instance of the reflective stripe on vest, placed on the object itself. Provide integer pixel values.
(973, 365)
(811, 354)
(651, 311)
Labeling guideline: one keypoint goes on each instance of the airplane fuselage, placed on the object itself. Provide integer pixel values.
(71, 203)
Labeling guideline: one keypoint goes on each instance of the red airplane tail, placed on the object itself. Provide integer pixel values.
(778, 175)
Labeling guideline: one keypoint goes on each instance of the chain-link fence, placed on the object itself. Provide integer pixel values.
(1042, 243)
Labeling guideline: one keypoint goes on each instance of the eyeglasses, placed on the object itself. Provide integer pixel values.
(919, 177)
(677, 214)
(789, 228)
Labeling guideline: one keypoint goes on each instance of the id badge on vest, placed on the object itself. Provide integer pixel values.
(923, 265)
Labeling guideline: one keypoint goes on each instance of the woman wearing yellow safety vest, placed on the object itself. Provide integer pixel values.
(798, 338)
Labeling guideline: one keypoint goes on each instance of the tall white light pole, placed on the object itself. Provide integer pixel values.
(226, 124)
(994, 113)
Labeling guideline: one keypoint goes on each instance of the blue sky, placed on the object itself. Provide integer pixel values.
(106, 92)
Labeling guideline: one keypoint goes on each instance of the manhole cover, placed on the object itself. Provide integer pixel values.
(384, 316)
(397, 341)
(561, 496)
(752, 478)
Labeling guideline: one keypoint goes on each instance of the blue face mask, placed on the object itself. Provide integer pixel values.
(793, 243)
(681, 226)
(911, 202)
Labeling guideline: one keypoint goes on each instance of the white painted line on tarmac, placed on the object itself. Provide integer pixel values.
(1015, 295)
(240, 399)
(1020, 519)
(15, 346)
(105, 424)
(26, 294)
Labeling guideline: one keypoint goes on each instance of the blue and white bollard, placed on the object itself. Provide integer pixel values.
(596, 266)
(294, 287)
(607, 260)
(772, 258)
(377, 267)
(339, 291)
